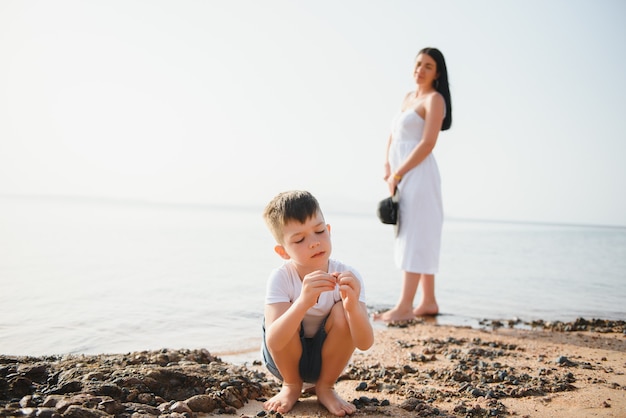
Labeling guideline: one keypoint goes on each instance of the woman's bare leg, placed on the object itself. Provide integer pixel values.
(403, 310)
(428, 304)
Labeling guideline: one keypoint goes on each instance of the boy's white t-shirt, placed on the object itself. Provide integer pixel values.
(284, 285)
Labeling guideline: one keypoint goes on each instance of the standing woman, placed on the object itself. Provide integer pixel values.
(411, 167)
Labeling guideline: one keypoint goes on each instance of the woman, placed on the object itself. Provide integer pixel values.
(411, 167)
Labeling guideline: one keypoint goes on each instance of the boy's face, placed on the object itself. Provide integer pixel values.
(307, 244)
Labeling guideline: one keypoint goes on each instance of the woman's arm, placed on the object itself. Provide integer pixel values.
(434, 108)
(387, 166)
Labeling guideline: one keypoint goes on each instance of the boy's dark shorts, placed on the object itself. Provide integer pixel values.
(311, 360)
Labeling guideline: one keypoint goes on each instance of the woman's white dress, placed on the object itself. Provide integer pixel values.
(418, 237)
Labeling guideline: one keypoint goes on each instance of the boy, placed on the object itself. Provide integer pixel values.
(315, 313)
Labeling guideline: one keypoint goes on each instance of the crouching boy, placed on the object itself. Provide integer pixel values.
(315, 312)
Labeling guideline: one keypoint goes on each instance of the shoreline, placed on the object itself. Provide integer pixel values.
(244, 356)
(418, 368)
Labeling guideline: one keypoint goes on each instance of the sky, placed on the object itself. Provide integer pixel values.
(231, 102)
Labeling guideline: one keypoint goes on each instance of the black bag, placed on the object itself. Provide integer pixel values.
(388, 209)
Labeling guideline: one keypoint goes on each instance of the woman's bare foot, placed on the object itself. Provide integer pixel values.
(335, 405)
(285, 399)
(395, 315)
(430, 309)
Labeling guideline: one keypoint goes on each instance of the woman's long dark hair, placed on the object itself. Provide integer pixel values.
(441, 83)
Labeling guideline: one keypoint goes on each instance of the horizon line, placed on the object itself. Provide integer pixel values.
(197, 205)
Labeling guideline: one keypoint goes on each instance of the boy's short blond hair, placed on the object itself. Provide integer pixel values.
(294, 205)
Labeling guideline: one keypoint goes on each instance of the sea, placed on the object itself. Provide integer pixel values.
(92, 276)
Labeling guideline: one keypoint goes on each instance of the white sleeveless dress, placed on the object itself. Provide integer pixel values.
(418, 236)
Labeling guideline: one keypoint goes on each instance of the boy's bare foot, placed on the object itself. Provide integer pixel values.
(431, 309)
(285, 399)
(335, 405)
(394, 315)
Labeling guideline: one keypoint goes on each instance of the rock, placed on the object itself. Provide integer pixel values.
(27, 401)
(180, 407)
(47, 413)
(76, 411)
(67, 387)
(105, 389)
(146, 398)
(111, 406)
(28, 412)
(409, 404)
(201, 403)
(141, 408)
(477, 393)
(51, 401)
(564, 361)
(20, 386)
(94, 376)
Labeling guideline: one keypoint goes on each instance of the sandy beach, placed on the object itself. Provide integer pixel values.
(418, 369)
(431, 370)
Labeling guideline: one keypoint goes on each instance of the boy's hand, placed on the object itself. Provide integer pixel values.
(314, 284)
(349, 288)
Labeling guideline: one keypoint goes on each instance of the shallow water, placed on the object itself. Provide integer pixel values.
(95, 276)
